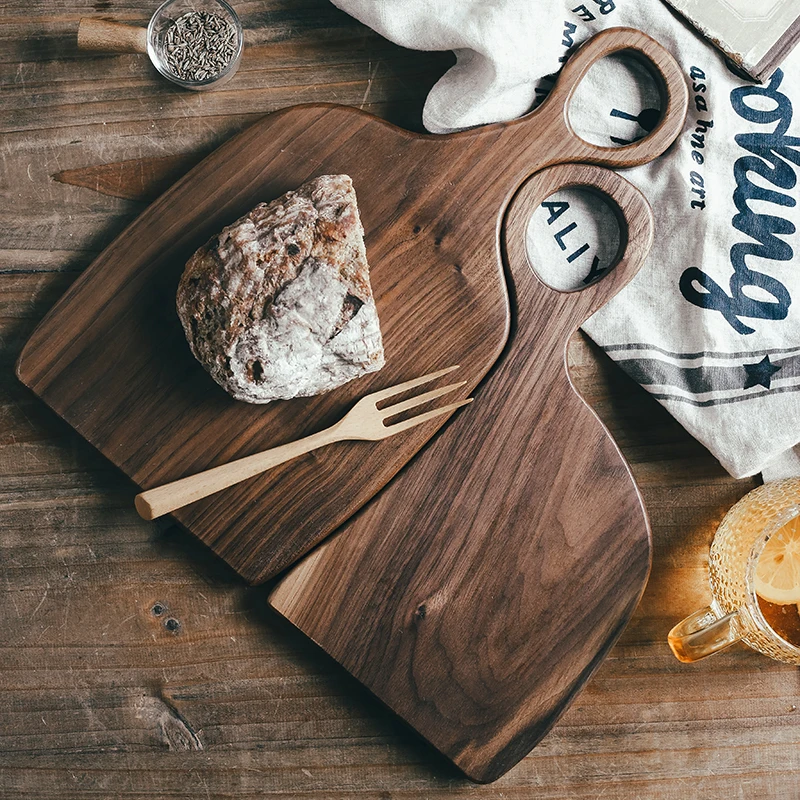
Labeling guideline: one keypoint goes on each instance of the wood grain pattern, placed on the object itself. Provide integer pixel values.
(91, 682)
(490, 579)
(111, 360)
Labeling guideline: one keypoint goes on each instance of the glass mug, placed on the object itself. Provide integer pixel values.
(770, 513)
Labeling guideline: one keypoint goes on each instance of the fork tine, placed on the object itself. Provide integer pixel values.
(413, 402)
(404, 387)
(426, 417)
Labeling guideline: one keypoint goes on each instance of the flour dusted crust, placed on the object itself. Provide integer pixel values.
(279, 304)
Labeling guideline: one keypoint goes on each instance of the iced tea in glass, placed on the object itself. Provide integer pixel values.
(754, 571)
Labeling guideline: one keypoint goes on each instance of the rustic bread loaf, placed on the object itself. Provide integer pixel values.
(279, 304)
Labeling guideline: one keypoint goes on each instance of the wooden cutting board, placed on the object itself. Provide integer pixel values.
(479, 591)
(111, 358)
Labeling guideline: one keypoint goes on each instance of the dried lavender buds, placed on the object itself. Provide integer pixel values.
(199, 45)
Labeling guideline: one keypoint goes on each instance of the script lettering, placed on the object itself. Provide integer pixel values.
(772, 156)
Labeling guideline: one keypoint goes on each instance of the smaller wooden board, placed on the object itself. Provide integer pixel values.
(479, 591)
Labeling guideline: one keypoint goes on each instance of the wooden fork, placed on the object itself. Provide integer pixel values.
(364, 421)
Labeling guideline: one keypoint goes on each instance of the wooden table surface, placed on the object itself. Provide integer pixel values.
(135, 664)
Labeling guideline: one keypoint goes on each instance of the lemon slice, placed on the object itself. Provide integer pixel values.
(777, 578)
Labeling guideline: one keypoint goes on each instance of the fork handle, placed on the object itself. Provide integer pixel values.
(162, 500)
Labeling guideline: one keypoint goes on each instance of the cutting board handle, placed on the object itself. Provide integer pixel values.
(551, 119)
(634, 215)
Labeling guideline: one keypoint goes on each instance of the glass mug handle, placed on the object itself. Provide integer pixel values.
(702, 634)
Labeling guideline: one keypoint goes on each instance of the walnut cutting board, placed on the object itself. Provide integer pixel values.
(479, 591)
(111, 358)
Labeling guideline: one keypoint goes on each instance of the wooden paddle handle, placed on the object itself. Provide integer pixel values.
(162, 500)
(104, 36)
(669, 78)
(570, 309)
(551, 120)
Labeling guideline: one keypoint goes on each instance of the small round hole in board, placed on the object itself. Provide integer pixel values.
(617, 102)
(573, 239)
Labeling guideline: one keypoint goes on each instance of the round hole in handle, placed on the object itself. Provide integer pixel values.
(617, 103)
(554, 113)
(636, 227)
(573, 239)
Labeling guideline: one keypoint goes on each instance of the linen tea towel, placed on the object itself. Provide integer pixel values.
(708, 326)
